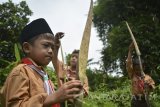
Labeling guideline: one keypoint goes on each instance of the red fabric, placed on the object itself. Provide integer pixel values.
(28, 62)
(51, 85)
(141, 85)
(56, 105)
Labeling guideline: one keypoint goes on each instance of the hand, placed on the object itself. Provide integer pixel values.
(57, 43)
(71, 78)
(58, 36)
(148, 80)
(68, 90)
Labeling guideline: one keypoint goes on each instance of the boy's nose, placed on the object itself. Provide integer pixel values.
(50, 50)
(73, 58)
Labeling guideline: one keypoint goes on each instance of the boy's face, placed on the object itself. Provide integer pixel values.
(74, 59)
(41, 51)
(137, 68)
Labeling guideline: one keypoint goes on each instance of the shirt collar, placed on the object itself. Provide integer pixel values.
(29, 61)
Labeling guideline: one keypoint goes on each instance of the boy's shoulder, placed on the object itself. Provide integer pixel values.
(16, 71)
(20, 68)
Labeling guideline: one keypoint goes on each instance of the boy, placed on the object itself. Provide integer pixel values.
(69, 71)
(28, 84)
(139, 98)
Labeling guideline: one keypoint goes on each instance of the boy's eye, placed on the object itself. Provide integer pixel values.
(52, 47)
(46, 45)
(74, 56)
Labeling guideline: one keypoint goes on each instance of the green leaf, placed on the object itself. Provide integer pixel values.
(4, 61)
(17, 54)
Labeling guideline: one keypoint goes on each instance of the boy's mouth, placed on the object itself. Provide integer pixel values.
(49, 57)
(73, 62)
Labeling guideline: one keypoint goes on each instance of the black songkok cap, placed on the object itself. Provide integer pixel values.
(36, 27)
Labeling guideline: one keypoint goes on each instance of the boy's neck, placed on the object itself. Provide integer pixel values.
(73, 68)
(28, 60)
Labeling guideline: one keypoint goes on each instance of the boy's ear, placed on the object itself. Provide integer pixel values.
(26, 47)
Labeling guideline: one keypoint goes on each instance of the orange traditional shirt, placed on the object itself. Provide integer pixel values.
(138, 86)
(24, 88)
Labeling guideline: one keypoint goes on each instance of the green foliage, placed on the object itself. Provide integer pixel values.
(10, 65)
(13, 17)
(95, 78)
(115, 98)
(4, 62)
(67, 58)
(100, 81)
(143, 17)
(120, 97)
(97, 100)
(109, 90)
(52, 75)
(155, 97)
(116, 91)
(17, 53)
(155, 75)
(5, 71)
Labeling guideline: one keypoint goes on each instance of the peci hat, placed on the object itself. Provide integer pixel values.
(36, 27)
